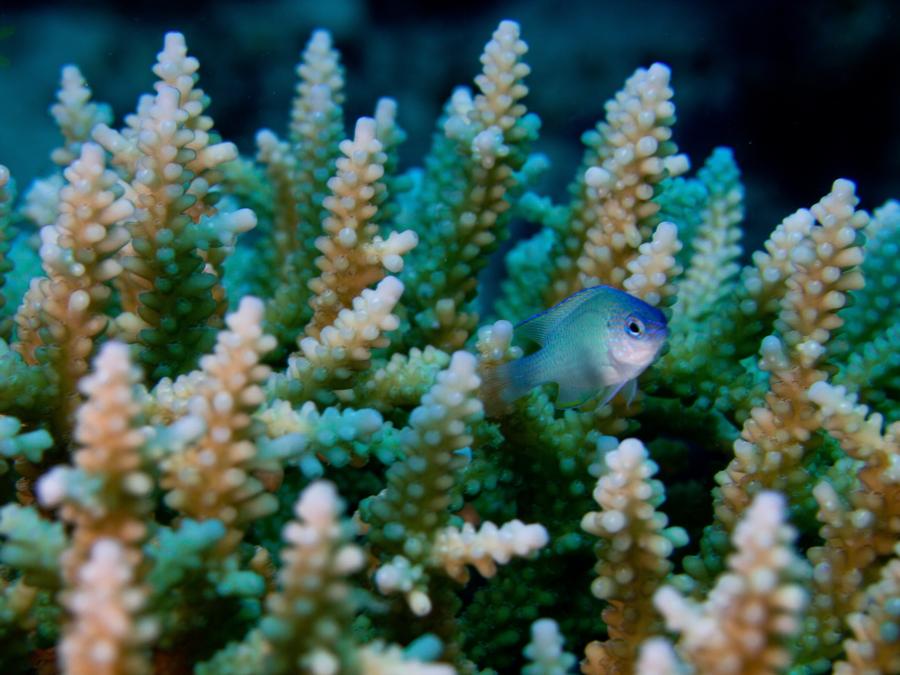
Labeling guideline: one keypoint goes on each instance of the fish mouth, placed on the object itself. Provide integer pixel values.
(636, 359)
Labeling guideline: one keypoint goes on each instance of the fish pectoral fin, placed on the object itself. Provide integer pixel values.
(609, 393)
(573, 394)
(630, 390)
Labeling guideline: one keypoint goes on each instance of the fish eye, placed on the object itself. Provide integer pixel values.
(634, 326)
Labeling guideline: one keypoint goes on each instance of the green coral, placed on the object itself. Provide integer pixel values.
(171, 159)
(31, 545)
(462, 203)
(370, 393)
(7, 198)
(300, 177)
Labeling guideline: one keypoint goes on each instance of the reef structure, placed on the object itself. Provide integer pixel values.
(245, 393)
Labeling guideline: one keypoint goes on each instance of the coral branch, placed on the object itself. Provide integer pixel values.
(774, 438)
(312, 588)
(117, 504)
(64, 312)
(483, 548)
(753, 607)
(211, 478)
(633, 555)
(353, 255)
(612, 208)
(107, 635)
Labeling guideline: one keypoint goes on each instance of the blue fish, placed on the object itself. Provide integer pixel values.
(593, 344)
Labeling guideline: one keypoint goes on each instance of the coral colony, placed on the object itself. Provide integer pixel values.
(244, 429)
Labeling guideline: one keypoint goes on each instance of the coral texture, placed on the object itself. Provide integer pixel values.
(275, 453)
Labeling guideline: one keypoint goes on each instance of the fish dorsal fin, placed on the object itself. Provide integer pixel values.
(538, 327)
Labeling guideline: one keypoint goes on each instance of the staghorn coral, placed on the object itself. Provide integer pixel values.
(211, 476)
(774, 438)
(299, 170)
(344, 347)
(658, 658)
(64, 312)
(168, 159)
(464, 198)
(859, 519)
(545, 650)
(612, 207)
(738, 628)
(75, 115)
(191, 519)
(484, 548)
(311, 581)
(652, 271)
(352, 254)
(633, 555)
(109, 459)
(712, 265)
(412, 510)
(873, 647)
(107, 633)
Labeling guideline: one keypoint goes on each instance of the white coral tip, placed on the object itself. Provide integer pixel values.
(319, 504)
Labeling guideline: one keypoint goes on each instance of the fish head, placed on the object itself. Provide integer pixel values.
(637, 332)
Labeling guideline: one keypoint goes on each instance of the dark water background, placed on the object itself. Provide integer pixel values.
(804, 92)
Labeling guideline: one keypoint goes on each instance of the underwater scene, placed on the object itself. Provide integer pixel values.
(375, 338)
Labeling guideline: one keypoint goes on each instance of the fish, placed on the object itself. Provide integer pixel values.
(593, 344)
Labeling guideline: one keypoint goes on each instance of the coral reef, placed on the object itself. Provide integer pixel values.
(270, 453)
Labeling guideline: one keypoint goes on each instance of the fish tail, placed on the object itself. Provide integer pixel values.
(503, 383)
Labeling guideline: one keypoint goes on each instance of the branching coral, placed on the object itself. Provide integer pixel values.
(545, 651)
(109, 460)
(484, 548)
(752, 607)
(107, 634)
(633, 555)
(712, 265)
(211, 477)
(168, 158)
(651, 272)
(353, 256)
(63, 313)
(859, 524)
(300, 169)
(330, 360)
(873, 648)
(75, 114)
(612, 205)
(191, 520)
(775, 436)
(308, 617)
(413, 508)
(464, 203)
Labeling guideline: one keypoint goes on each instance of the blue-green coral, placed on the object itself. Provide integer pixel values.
(165, 498)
